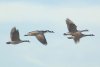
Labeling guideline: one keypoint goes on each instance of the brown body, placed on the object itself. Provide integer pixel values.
(75, 34)
(39, 35)
(15, 37)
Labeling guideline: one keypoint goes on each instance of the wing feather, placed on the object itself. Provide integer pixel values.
(14, 34)
(71, 26)
(41, 38)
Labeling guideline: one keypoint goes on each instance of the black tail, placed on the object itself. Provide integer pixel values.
(8, 43)
(66, 34)
(25, 35)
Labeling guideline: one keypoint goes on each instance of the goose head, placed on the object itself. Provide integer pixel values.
(49, 31)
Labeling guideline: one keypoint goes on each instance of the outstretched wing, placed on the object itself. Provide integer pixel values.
(41, 38)
(71, 26)
(14, 34)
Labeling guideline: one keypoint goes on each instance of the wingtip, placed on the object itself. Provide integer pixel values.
(45, 44)
(67, 19)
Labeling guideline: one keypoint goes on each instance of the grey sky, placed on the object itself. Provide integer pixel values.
(50, 14)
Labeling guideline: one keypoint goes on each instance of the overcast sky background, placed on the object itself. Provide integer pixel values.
(29, 15)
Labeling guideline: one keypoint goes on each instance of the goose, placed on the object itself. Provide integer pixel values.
(75, 34)
(15, 37)
(39, 34)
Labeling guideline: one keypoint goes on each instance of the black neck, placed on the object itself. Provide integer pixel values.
(89, 35)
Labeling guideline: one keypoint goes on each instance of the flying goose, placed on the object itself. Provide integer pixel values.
(15, 37)
(75, 34)
(39, 35)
